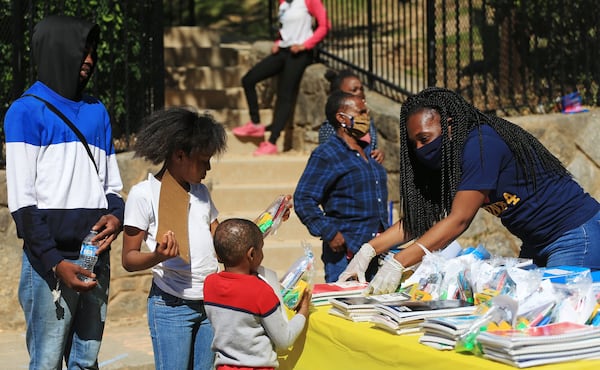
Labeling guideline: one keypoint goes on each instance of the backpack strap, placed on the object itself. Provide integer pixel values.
(71, 126)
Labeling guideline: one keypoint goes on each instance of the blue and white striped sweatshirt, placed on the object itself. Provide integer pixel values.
(55, 194)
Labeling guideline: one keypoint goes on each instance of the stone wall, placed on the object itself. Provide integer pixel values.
(573, 138)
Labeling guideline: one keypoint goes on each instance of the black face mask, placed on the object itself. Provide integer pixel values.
(430, 155)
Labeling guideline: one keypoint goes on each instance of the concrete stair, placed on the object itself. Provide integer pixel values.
(205, 74)
(201, 72)
(227, 98)
(243, 186)
(231, 117)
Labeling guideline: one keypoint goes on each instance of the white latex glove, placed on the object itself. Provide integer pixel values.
(387, 278)
(359, 264)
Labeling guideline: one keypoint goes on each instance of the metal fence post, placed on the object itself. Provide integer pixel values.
(371, 81)
(431, 70)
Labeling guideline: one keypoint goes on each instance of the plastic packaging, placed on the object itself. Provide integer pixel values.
(503, 309)
(479, 252)
(268, 222)
(298, 278)
(87, 255)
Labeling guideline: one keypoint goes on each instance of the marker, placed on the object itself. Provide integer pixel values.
(540, 317)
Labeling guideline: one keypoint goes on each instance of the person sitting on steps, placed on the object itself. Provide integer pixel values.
(290, 55)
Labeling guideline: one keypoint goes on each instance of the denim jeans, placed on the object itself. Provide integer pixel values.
(70, 328)
(577, 247)
(181, 333)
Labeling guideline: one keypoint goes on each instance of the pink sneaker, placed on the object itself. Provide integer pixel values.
(250, 129)
(266, 148)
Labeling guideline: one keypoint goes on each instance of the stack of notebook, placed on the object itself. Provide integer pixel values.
(406, 317)
(322, 293)
(361, 308)
(541, 345)
(443, 332)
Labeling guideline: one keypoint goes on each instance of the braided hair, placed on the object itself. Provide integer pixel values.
(427, 194)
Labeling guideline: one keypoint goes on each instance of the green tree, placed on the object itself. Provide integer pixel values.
(126, 71)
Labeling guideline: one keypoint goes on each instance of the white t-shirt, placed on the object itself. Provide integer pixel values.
(296, 23)
(174, 275)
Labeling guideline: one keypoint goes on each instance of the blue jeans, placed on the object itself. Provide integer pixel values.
(181, 333)
(336, 262)
(71, 328)
(577, 247)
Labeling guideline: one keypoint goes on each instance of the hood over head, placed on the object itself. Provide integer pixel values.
(59, 49)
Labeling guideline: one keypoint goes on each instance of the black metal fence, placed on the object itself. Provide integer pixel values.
(129, 77)
(505, 56)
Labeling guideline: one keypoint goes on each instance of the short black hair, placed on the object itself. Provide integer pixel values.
(233, 237)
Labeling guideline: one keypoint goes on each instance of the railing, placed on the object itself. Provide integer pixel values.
(384, 41)
(507, 57)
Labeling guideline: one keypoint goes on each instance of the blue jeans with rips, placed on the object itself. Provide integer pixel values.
(577, 247)
(69, 329)
(181, 333)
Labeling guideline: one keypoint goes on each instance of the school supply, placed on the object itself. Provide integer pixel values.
(298, 278)
(407, 316)
(268, 221)
(361, 308)
(443, 332)
(553, 343)
(323, 292)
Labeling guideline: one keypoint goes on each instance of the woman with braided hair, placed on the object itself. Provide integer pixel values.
(454, 159)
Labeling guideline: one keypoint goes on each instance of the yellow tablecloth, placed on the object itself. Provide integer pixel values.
(333, 343)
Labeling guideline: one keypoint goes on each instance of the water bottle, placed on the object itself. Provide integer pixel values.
(87, 255)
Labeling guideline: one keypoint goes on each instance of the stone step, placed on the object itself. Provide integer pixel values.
(204, 99)
(255, 198)
(197, 37)
(272, 169)
(203, 77)
(280, 255)
(234, 117)
(204, 56)
(293, 228)
(246, 146)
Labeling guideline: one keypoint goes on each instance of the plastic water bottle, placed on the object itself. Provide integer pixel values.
(87, 255)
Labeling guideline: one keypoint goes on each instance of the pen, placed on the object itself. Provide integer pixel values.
(540, 318)
(544, 321)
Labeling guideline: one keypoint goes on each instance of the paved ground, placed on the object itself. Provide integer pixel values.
(126, 345)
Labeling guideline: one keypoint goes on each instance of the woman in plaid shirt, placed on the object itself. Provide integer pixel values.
(342, 195)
